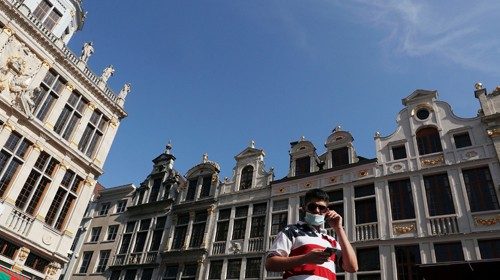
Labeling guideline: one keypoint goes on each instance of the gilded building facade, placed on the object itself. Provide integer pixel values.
(427, 201)
(58, 121)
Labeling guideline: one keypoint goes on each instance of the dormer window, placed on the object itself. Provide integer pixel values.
(47, 14)
(191, 189)
(155, 190)
(302, 166)
(428, 141)
(398, 152)
(205, 186)
(340, 156)
(246, 177)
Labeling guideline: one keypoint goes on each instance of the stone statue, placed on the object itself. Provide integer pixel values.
(205, 158)
(87, 51)
(107, 72)
(124, 91)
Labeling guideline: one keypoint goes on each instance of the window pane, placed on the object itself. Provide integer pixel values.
(340, 156)
(407, 258)
(233, 269)
(302, 166)
(215, 270)
(401, 200)
(366, 211)
(490, 249)
(446, 252)
(480, 189)
(462, 140)
(438, 192)
(399, 152)
(368, 259)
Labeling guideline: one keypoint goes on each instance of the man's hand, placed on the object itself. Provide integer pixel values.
(334, 219)
(316, 256)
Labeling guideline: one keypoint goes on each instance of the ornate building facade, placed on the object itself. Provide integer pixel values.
(58, 121)
(429, 199)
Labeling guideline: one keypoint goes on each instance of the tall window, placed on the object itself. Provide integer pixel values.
(7, 248)
(157, 233)
(369, 263)
(215, 270)
(103, 261)
(127, 237)
(222, 225)
(253, 268)
(336, 203)
(240, 222)
(93, 133)
(112, 232)
(115, 275)
(36, 262)
(480, 189)
(147, 274)
(70, 115)
(489, 248)
(340, 156)
(246, 177)
(63, 202)
(189, 271)
(258, 220)
(51, 88)
(366, 207)
(95, 233)
(155, 190)
(121, 206)
(38, 180)
(407, 258)
(130, 274)
(191, 192)
(462, 140)
(84, 266)
(104, 209)
(12, 156)
(302, 166)
(233, 269)
(47, 14)
(447, 252)
(205, 186)
(170, 272)
(438, 192)
(180, 231)
(401, 200)
(198, 232)
(428, 141)
(279, 218)
(142, 234)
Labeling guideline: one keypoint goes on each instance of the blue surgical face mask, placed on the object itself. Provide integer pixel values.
(314, 219)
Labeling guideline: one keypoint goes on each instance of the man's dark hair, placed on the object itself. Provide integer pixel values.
(316, 194)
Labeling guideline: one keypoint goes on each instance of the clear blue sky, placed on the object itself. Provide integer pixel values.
(213, 75)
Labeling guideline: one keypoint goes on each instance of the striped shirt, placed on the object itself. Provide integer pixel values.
(299, 239)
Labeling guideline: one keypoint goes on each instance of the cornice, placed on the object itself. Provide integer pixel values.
(64, 57)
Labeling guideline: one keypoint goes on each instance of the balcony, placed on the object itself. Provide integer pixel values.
(365, 232)
(219, 248)
(135, 258)
(442, 225)
(256, 244)
(19, 222)
(331, 232)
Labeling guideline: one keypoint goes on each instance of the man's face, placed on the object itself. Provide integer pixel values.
(317, 206)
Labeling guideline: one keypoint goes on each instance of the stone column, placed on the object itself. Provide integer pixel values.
(75, 139)
(58, 107)
(5, 34)
(20, 259)
(207, 237)
(53, 271)
(187, 238)
(24, 170)
(6, 130)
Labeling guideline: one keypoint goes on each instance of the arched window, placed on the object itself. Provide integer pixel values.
(428, 141)
(246, 177)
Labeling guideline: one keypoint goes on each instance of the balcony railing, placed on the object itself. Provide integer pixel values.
(256, 244)
(19, 222)
(219, 248)
(135, 258)
(331, 232)
(444, 225)
(119, 260)
(150, 257)
(366, 232)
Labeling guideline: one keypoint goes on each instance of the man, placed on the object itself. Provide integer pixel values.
(301, 250)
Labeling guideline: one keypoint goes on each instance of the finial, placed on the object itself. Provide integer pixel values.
(478, 86)
(168, 147)
(337, 128)
(377, 134)
(302, 138)
(252, 144)
(205, 158)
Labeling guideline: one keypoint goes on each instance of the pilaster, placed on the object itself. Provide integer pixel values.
(106, 142)
(187, 238)
(6, 130)
(20, 259)
(83, 198)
